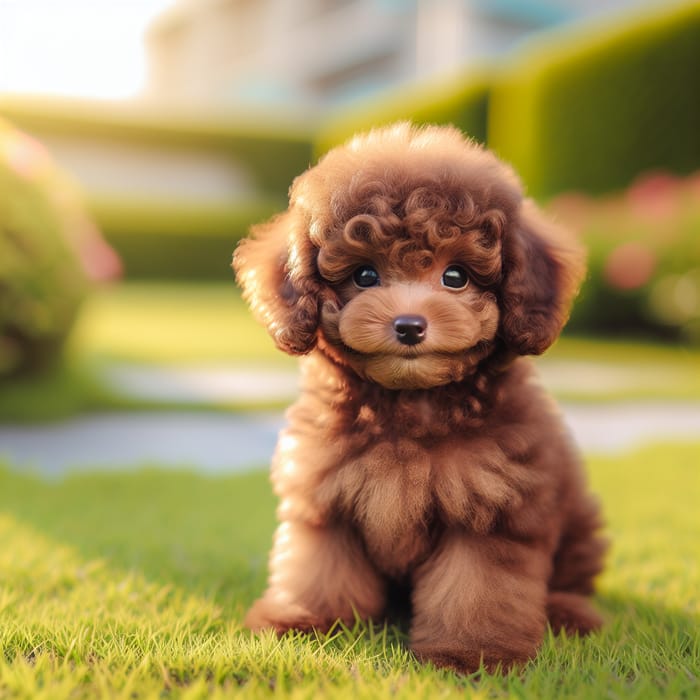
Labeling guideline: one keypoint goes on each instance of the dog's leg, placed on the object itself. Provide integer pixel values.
(577, 561)
(317, 576)
(572, 613)
(479, 599)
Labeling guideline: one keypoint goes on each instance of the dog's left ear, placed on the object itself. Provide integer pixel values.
(275, 267)
(543, 266)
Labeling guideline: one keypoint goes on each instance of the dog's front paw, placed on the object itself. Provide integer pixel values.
(267, 615)
(466, 661)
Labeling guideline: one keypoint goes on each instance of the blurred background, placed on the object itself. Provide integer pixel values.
(140, 139)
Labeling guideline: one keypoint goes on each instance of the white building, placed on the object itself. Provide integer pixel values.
(316, 54)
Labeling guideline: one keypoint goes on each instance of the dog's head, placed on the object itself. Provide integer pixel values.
(408, 255)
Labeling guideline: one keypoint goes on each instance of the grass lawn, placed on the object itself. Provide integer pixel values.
(170, 323)
(176, 324)
(133, 585)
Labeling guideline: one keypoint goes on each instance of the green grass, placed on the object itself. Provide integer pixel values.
(171, 323)
(133, 585)
(599, 369)
(57, 392)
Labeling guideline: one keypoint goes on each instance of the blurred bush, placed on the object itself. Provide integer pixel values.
(592, 108)
(644, 258)
(461, 100)
(43, 236)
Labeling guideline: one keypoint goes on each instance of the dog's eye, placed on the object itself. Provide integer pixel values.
(365, 276)
(455, 277)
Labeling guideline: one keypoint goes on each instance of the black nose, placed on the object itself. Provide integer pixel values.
(410, 329)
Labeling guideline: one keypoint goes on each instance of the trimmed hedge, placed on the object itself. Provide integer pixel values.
(461, 100)
(272, 155)
(585, 109)
(169, 240)
(41, 279)
(591, 110)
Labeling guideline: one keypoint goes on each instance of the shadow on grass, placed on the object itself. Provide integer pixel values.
(210, 537)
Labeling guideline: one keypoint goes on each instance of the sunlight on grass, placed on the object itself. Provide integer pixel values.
(585, 369)
(134, 585)
(171, 323)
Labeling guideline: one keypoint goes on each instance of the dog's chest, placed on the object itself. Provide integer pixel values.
(386, 492)
(397, 488)
(401, 494)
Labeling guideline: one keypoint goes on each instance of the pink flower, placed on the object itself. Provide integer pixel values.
(629, 266)
(654, 196)
(24, 155)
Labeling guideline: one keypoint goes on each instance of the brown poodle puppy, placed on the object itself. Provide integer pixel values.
(412, 274)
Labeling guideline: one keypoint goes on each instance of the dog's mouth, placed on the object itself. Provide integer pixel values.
(411, 368)
(400, 353)
(416, 371)
(407, 353)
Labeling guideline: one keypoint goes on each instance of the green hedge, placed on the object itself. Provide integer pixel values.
(461, 100)
(589, 110)
(167, 240)
(41, 279)
(585, 109)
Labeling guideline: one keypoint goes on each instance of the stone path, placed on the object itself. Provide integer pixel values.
(206, 441)
(207, 383)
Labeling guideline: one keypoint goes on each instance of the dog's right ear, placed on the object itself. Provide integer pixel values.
(543, 268)
(276, 269)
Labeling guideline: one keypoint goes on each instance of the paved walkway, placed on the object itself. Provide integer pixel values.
(250, 384)
(207, 441)
(215, 442)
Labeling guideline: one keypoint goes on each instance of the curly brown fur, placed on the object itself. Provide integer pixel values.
(431, 459)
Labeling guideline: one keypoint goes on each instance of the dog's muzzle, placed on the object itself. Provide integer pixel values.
(410, 329)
